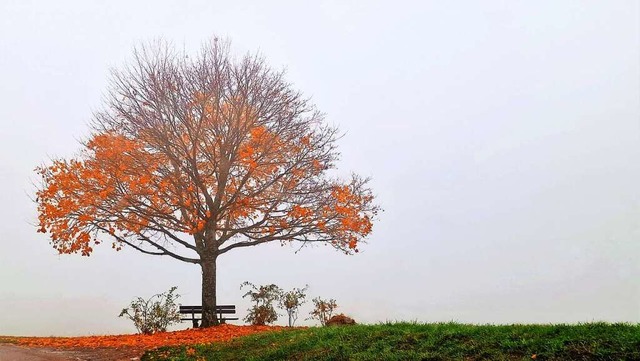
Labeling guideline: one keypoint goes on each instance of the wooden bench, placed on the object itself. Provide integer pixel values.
(194, 311)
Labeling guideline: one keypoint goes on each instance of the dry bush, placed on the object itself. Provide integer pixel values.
(339, 320)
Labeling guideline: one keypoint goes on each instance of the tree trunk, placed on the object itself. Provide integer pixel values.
(209, 316)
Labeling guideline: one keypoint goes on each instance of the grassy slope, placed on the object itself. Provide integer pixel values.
(405, 341)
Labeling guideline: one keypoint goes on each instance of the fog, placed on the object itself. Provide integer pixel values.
(502, 138)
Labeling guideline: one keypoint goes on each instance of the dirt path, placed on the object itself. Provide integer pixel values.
(9, 352)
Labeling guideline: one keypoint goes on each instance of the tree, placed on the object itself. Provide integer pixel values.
(262, 312)
(193, 157)
(291, 301)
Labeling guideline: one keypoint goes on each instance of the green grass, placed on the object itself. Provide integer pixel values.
(412, 341)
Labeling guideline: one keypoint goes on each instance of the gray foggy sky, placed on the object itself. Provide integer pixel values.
(503, 138)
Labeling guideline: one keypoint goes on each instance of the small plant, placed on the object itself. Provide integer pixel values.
(262, 312)
(291, 301)
(323, 310)
(154, 314)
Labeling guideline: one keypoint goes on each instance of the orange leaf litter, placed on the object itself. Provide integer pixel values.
(186, 337)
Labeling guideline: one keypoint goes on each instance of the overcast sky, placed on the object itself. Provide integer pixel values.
(503, 139)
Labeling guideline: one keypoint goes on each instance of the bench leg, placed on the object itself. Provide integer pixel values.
(195, 323)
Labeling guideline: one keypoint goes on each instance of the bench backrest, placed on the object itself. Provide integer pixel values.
(227, 309)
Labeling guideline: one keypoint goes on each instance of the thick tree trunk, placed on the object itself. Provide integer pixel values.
(209, 317)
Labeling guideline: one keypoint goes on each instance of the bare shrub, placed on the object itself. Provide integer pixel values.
(262, 312)
(323, 309)
(154, 314)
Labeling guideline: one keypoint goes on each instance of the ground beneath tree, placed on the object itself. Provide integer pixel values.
(115, 347)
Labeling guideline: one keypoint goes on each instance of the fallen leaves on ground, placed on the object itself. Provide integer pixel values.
(186, 337)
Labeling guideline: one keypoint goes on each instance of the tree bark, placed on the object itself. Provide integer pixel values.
(209, 316)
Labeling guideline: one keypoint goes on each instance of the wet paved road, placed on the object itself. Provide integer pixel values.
(9, 352)
(16, 353)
